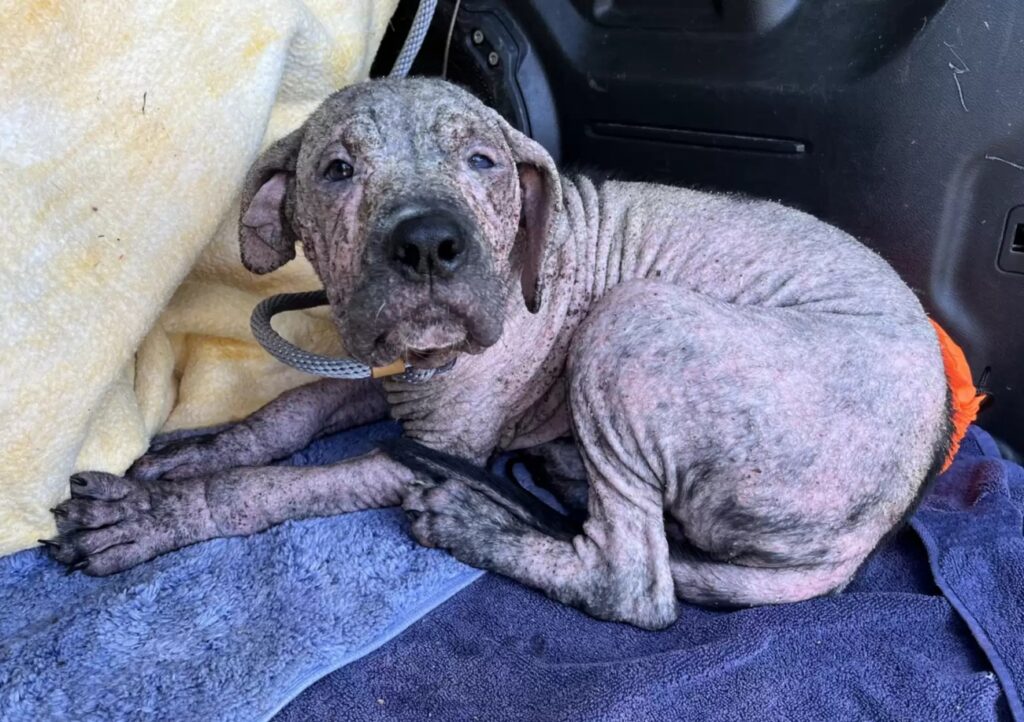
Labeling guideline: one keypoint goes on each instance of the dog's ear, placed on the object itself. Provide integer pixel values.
(541, 193)
(265, 231)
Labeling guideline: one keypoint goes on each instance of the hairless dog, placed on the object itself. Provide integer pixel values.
(752, 399)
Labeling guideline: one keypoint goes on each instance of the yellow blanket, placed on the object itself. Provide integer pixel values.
(126, 127)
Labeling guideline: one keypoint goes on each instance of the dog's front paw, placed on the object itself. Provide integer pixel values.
(112, 523)
(455, 517)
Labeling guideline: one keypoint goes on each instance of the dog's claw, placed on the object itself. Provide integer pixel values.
(78, 480)
(58, 512)
(48, 543)
(77, 566)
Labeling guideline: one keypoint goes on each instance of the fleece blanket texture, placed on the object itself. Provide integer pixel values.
(126, 127)
(227, 630)
(931, 629)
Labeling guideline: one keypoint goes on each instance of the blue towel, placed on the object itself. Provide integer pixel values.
(905, 641)
(227, 630)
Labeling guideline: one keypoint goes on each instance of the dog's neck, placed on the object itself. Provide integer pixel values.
(521, 375)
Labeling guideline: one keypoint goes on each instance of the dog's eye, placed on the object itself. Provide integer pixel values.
(338, 170)
(478, 161)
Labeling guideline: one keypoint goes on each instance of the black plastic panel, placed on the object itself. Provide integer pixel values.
(715, 16)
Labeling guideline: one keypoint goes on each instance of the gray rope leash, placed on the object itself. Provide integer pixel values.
(414, 41)
(311, 363)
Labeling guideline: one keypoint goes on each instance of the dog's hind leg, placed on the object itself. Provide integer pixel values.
(783, 443)
(583, 571)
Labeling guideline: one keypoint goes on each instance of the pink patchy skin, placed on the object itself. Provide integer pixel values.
(755, 398)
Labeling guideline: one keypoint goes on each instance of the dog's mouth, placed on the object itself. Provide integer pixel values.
(431, 343)
(430, 358)
(426, 325)
(427, 338)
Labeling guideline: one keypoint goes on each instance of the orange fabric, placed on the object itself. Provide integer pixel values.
(966, 399)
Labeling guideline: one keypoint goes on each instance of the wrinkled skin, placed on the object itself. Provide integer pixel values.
(741, 401)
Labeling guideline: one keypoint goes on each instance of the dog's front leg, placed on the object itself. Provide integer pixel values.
(286, 424)
(616, 569)
(112, 523)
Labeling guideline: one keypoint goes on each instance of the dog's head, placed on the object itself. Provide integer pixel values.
(420, 209)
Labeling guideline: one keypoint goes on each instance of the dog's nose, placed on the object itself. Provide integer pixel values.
(431, 244)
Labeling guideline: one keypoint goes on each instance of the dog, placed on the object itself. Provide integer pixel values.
(740, 401)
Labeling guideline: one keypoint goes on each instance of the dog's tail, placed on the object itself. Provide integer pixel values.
(439, 466)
